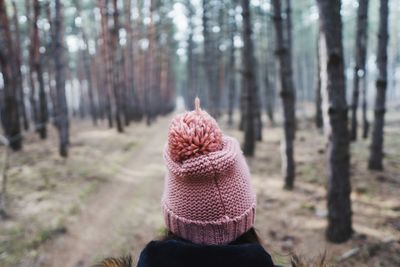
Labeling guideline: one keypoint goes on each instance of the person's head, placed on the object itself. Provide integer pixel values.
(208, 197)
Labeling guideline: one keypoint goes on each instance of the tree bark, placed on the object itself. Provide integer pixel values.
(191, 89)
(288, 99)
(270, 72)
(232, 65)
(31, 48)
(12, 127)
(318, 96)
(135, 108)
(210, 63)
(37, 64)
(249, 81)
(116, 60)
(106, 60)
(59, 62)
(335, 120)
(20, 90)
(87, 66)
(376, 154)
(359, 69)
(366, 124)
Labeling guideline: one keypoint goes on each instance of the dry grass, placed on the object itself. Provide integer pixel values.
(48, 194)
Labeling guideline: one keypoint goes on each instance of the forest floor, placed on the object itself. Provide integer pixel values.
(104, 200)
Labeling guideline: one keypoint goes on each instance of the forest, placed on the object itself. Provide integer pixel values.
(88, 88)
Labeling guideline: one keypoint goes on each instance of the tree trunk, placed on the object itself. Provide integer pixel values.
(249, 81)
(376, 154)
(288, 99)
(210, 63)
(270, 72)
(49, 65)
(59, 62)
(9, 71)
(87, 63)
(116, 60)
(191, 89)
(31, 48)
(106, 59)
(365, 120)
(37, 64)
(232, 65)
(18, 60)
(318, 96)
(135, 108)
(359, 69)
(335, 120)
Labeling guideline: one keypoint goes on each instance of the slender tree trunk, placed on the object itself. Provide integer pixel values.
(20, 91)
(49, 65)
(270, 72)
(249, 81)
(103, 5)
(9, 71)
(335, 120)
(87, 63)
(210, 63)
(318, 95)
(288, 99)
(376, 154)
(191, 89)
(31, 48)
(116, 60)
(364, 106)
(232, 65)
(59, 62)
(135, 108)
(43, 116)
(359, 69)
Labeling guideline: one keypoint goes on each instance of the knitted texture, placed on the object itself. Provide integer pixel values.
(192, 134)
(208, 198)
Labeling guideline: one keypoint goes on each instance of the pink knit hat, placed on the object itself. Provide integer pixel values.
(208, 197)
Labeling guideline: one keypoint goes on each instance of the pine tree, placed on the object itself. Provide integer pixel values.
(376, 154)
(359, 69)
(288, 98)
(335, 121)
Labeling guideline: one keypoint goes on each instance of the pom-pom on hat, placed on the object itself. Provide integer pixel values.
(192, 134)
(208, 197)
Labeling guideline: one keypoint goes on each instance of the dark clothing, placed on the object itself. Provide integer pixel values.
(177, 253)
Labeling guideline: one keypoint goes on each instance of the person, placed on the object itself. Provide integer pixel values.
(209, 204)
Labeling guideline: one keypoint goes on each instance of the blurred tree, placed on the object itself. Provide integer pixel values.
(269, 72)
(87, 63)
(59, 62)
(135, 110)
(116, 60)
(191, 89)
(376, 155)
(18, 62)
(288, 97)
(318, 96)
(31, 48)
(359, 69)
(38, 68)
(335, 121)
(231, 68)
(9, 72)
(211, 58)
(106, 59)
(249, 82)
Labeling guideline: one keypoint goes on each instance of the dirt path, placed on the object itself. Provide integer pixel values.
(129, 200)
(125, 213)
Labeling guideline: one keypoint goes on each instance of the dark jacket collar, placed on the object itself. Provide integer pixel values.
(176, 253)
